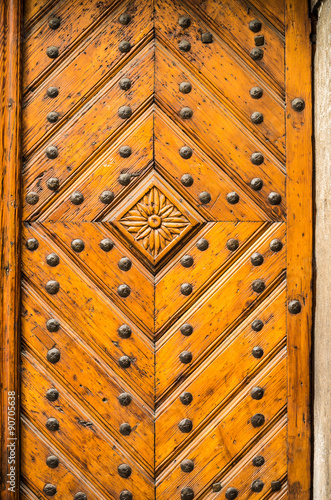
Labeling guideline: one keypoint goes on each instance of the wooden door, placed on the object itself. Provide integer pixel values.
(166, 236)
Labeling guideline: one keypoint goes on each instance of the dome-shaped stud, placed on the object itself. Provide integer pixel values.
(53, 116)
(107, 197)
(231, 493)
(126, 495)
(125, 151)
(32, 244)
(77, 245)
(186, 261)
(298, 104)
(124, 290)
(257, 158)
(53, 260)
(125, 264)
(106, 245)
(186, 398)
(258, 286)
(257, 393)
(80, 496)
(53, 325)
(52, 92)
(187, 494)
(124, 399)
(76, 198)
(232, 198)
(54, 22)
(124, 331)
(124, 179)
(53, 184)
(185, 152)
(185, 357)
(202, 244)
(185, 425)
(52, 287)
(185, 87)
(256, 92)
(52, 52)
(255, 25)
(124, 18)
(186, 113)
(187, 180)
(276, 485)
(125, 83)
(257, 352)
(52, 424)
(124, 362)
(124, 46)
(257, 259)
(232, 244)
(187, 465)
(257, 325)
(257, 420)
(52, 461)
(53, 355)
(184, 46)
(276, 245)
(184, 21)
(186, 330)
(257, 117)
(256, 54)
(257, 485)
(207, 38)
(258, 461)
(186, 289)
(124, 112)
(52, 394)
(125, 429)
(294, 307)
(274, 198)
(32, 198)
(52, 152)
(124, 470)
(256, 184)
(49, 489)
(217, 487)
(204, 198)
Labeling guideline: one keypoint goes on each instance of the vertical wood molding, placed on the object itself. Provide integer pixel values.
(10, 137)
(300, 246)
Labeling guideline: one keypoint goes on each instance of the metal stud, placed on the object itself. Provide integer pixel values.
(202, 244)
(294, 307)
(53, 260)
(124, 290)
(186, 113)
(77, 245)
(52, 394)
(217, 487)
(126, 495)
(258, 286)
(257, 485)
(257, 352)
(107, 197)
(257, 158)
(204, 198)
(257, 259)
(276, 485)
(187, 465)
(276, 245)
(124, 470)
(53, 325)
(274, 198)
(106, 245)
(259, 40)
(184, 21)
(53, 355)
(124, 399)
(187, 180)
(298, 104)
(256, 54)
(185, 88)
(257, 393)
(256, 92)
(52, 287)
(32, 198)
(49, 489)
(77, 198)
(232, 244)
(256, 184)
(184, 45)
(124, 362)
(54, 23)
(257, 420)
(186, 261)
(52, 92)
(257, 325)
(53, 183)
(124, 331)
(125, 264)
(255, 25)
(207, 38)
(124, 18)
(125, 151)
(80, 496)
(52, 152)
(185, 152)
(186, 289)
(32, 244)
(258, 461)
(52, 52)
(186, 330)
(124, 46)
(187, 494)
(231, 493)
(124, 179)
(232, 198)
(125, 83)
(53, 116)
(125, 429)
(257, 117)
(185, 425)
(52, 461)
(185, 357)
(186, 398)
(52, 424)
(124, 112)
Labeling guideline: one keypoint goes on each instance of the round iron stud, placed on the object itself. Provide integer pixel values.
(49, 489)
(258, 461)
(187, 465)
(80, 496)
(185, 88)
(186, 113)
(257, 259)
(124, 399)
(124, 179)
(185, 357)
(124, 112)
(258, 286)
(125, 264)
(294, 307)
(274, 198)
(186, 289)
(257, 420)
(257, 352)
(257, 158)
(54, 23)
(257, 485)
(125, 429)
(187, 180)
(53, 355)
(231, 493)
(185, 425)
(52, 394)
(106, 245)
(124, 331)
(126, 495)
(32, 198)
(256, 92)
(255, 25)
(276, 245)
(52, 461)
(186, 398)
(124, 290)
(207, 38)
(106, 197)
(76, 198)
(77, 245)
(256, 54)
(186, 330)
(124, 46)
(124, 18)
(124, 362)
(124, 470)
(125, 83)
(202, 244)
(125, 151)
(184, 46)
(217, 487)
(52, 152)
(204, 198)
(257, 325)
(256, 184)
(53, 117)
(187, 494)
(52, 424)
(232, 244)
(52, 92)
(186, 261)
(52, 287)
(298, 104)
(184, 21)
(232, 198)
(257, 117)
(52, 52)
(257, 393)
(53, 325)
(276, 485)
(185, 152)
(53, 260)
(53, 184)
(32, 244)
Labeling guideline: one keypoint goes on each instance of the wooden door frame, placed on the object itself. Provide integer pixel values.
(298, 84)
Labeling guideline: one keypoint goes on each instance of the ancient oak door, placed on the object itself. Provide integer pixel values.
(166, 249)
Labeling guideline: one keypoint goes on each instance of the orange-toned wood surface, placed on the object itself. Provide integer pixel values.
(162, 168)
